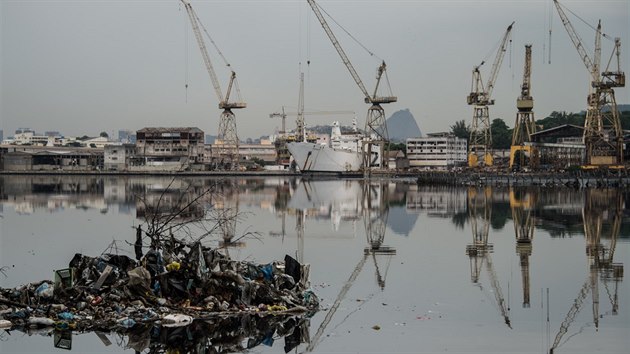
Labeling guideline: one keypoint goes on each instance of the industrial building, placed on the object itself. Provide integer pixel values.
(169, 148)
(118, 157)
(438, 151)
(43, 158)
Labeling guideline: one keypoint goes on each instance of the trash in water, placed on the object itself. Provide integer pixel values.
(165, 298)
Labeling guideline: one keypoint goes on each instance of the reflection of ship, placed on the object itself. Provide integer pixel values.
(343, 154)
(375, 212)
(334, 200)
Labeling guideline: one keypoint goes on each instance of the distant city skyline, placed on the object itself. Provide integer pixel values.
(91, 66)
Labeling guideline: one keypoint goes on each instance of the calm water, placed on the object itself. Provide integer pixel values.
(474, 270)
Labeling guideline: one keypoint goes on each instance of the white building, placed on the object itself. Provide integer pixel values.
(28, 137)
(118, 157)
(439, 150)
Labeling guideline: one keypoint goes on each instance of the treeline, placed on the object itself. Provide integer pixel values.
(502, 134)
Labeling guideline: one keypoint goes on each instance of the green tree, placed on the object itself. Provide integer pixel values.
(397, 146)
(501, 134)
(461, 130)
(104, 135)
(556, 119)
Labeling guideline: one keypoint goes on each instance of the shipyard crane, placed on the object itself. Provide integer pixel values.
(480, 98)
(603, 136)
(301, 124)
(525, 124)
(375, 123)
(229, 142)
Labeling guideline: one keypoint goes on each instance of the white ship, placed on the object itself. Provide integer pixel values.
(343, 154)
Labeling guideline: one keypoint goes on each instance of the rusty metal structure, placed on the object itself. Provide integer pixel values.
(480, 97)
(375, 122)
(603, 136)
(228, 144)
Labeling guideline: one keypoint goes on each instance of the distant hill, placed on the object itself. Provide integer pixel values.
(402, 125)
(623, 107)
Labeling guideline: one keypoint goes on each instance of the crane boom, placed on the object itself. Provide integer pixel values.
(202, 47)
(577, 42)
(480, 96)
(497, 62)
(342, 54)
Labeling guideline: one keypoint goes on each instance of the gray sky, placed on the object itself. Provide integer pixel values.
(82, 67)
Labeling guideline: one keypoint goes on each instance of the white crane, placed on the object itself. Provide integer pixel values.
(228, 148)
(375, 122)
(480, 98)
(603, 136)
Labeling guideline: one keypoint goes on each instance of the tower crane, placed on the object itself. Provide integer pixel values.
(480, 98)
(525, 124)
(603, 136)
(228, 149)
(301, 128)
(301, 125)
(375, 123)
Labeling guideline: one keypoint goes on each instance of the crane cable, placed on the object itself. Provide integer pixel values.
(550, 29)
(211, 40)
(185, 58)
(349, 34)
(586, 23)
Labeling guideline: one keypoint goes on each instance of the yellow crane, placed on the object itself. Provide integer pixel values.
(228, 137)
(480, 98)
(603, 136)
(375, 123)
(525, 124)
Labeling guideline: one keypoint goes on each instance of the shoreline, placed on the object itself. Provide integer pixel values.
(574, 179)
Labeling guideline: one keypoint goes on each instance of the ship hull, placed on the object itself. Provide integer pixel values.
(311, 157)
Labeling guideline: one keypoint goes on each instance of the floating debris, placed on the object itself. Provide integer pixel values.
(166, 291)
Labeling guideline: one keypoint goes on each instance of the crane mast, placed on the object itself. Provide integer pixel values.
(480, 98)
(301, 129)
(375, 123)
(603, 136)
(227, 149)
(525, 124)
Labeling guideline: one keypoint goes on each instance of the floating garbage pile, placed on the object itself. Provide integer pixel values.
(189, 284)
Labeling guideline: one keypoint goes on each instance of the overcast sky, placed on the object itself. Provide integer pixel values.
(82, 67)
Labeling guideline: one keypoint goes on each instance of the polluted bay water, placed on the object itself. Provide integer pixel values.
(396, 267)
